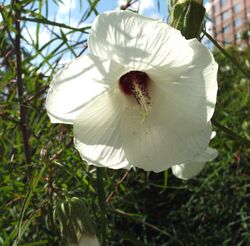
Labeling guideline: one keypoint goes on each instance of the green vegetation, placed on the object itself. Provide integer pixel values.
(141, 208)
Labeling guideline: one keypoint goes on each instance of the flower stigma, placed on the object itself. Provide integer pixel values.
(136, 84)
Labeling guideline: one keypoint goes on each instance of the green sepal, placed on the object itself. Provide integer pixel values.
(188, 17)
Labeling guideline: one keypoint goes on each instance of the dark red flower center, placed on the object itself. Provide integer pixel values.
(128, 80)
(136, 84)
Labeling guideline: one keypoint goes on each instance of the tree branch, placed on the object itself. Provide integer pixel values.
(19, 81)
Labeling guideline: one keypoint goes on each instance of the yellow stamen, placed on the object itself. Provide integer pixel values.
(141, 99)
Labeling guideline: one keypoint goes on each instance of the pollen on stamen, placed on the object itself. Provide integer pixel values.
(136, 84)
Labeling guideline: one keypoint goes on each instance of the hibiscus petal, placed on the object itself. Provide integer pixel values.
(155, 145)
(193, 168)
(77, 84)
(190, 95)
(97, 132)
(138, 41)
(208, 155)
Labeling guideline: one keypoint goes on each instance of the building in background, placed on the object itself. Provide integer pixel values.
(230, 20)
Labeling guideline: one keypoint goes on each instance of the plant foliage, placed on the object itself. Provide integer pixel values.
(128, 207)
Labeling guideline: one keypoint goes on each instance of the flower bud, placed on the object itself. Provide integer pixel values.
(75, 223)
(86, 240)
(188, 17)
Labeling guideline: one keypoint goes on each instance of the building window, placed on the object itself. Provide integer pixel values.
(226, 29)
(225, 42)
(214, 8)
(237, 22)
(237, 36)
(237, 8)
(225, 15)
(223, 2)
(214, 21)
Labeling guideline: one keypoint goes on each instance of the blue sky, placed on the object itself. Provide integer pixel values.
(70, 12)
(145, 7)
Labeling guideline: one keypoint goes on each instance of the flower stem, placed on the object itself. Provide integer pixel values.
(102, 203)
(226, 54)
(231, 133)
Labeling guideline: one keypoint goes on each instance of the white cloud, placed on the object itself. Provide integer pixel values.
(44, 37)
(140, 5)
(156, 16)
(29, 34)
(72, 23)
(64, 61)
(66, 6)
(75, 23)
(208, 6)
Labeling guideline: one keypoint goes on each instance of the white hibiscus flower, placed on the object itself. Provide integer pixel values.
(144, 96)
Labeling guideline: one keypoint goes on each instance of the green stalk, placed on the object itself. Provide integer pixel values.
(231, 133)
(102, 203)
(226, 54)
